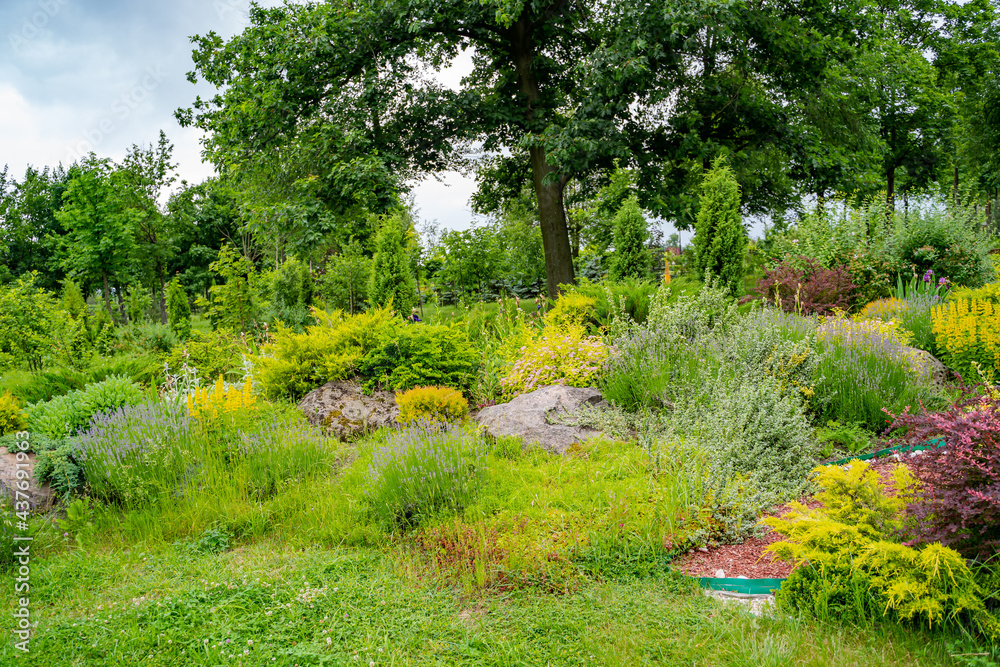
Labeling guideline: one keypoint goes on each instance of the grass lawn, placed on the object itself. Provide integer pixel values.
(265, 603)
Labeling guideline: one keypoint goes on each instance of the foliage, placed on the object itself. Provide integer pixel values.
(235, 304)
(852, 568)
(631, 259)
(420, 355)
(720, 240)
(214, 353)
(294, 364)
(423, 470)
(178, 310)
(886, 309)
(850, 438)
(391, 284)
(431, 404)
(207, 405)
(148, 337)
(631, 296)
(31, 324)
(60, 469)
(291, 294)
(64, 415)
(211, 541)
(564, 356)
(11, 417)
(344, 282)
(35, 387)
(72, 300)
(958, 503)
(865, 366)
(138, 301)
(914, 315)
(968, 334)
(571, 309)
(801, 285)
(989, 292)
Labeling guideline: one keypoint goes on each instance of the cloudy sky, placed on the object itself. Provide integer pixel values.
(101, 75)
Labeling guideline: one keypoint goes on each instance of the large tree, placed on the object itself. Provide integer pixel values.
(569, 85)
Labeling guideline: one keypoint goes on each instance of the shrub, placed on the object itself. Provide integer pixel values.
(801, 285)
(33, 387)
(132, 454)
(559, 356)
(421, 355)
(864, 367)
(220, 352)
(64, 415)
(138, 300)
(570, 309)
(754, 428)
(294, 364)
(989, 292)
(344, 283)
(11, 417)
(968, 333)
(720, 239)
(391, 283)
(146, 337)
(423, 470)
(632, 296)
(222, 399)
(958, 503)
(178, 309)
(631, 259)
(431, 403)
(850, 566)
(291, 295)
(886, 309)
(60, 470)
(235, 303)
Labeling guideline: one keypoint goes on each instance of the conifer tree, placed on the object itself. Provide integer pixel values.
(631, 260)
(391, 278)
(720, 240)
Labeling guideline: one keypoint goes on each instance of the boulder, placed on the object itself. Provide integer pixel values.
(39, 496)
(530, 417)
(345, 412)
(931, 368)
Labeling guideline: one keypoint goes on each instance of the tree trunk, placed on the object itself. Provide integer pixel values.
(890, 188)
(163, 292)
(107, 295)
(121, 304)
(548, 186)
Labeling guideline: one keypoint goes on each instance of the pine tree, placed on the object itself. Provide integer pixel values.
(720, 240)
(178, 310)
(391, 278)
(631, 260)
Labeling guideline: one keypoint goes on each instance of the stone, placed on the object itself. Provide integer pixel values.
(39, 496)
(720, 574)
(530, 417)
(345, 412)
(931, 367)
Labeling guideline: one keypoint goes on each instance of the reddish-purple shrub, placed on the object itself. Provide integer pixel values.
(959, 500)
(802, 283)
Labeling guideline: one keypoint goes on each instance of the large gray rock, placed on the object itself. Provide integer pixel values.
(39, 496)
(345, 412)
(931, 368)
(530, 416)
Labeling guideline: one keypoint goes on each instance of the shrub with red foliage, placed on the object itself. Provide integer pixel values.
(959, 500)
(801, 282)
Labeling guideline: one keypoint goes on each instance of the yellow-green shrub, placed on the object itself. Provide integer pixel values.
(433, 403)
(968, 333)
(989, 292)
(570, 309)
(294, 364)
(884, 309)
(851, 565)
(11, 417)
(559, 356)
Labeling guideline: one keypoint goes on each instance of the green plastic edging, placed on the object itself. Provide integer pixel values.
(745, 586)
(766, 586)
(938, 442)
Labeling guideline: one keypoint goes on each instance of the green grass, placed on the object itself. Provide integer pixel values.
(265, 603)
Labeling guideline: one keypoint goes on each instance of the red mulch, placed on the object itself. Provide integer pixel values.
(749, 559)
